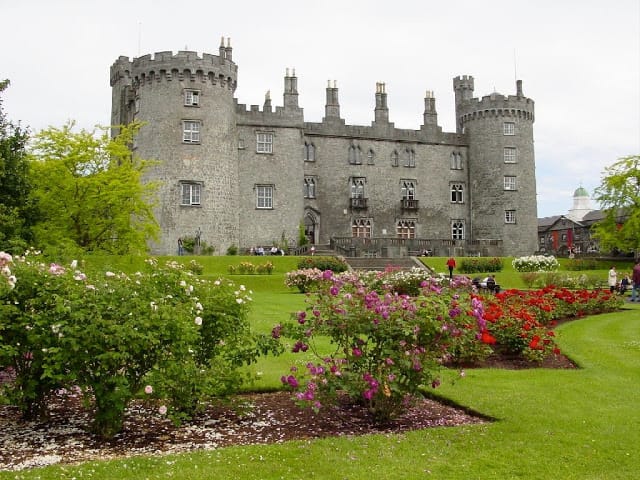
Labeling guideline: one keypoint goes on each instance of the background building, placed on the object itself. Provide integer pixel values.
(233, 175)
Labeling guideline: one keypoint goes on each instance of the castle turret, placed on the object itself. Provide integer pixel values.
(463, 88)
(186, 103)
(501, 165)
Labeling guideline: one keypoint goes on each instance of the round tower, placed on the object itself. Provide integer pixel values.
(501, 166)
(186, 104)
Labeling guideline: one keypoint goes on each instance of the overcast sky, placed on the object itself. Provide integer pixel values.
(579, 60)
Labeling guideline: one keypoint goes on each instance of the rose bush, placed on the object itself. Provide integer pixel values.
(112, 333)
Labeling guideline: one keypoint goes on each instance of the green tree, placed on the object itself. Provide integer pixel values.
(17, 213)
(91, 192)
(619, 197)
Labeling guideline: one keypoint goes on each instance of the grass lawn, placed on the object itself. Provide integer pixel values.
(550, 424)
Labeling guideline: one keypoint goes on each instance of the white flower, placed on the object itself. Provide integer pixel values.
(154, 307)
(199, 306)
(183, 283)
(217, 282)
(162, 410)
(109, 274)
(198, 320)
(239, 300)
(74, 264)
(242, 287)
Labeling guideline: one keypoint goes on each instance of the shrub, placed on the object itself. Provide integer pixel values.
(480, 264)
(232, 250)
(195, 267)
(535, 263)
(111, 332)
(305, 279)
(335, 264)
(387, 345)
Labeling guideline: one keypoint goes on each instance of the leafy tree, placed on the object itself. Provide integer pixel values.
(90, 189)
(17, 213)
(619, 196)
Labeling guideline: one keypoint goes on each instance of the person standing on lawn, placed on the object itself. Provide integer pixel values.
(613, 279)
(451, 263)
(635, 279)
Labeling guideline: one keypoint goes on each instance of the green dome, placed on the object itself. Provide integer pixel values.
(581, 192)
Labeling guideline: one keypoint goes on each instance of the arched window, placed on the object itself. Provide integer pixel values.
(456, 161)
(457, 193)
(309, 187)
(409, 157)
(361, 228)
(309, 152)
(355, 155)
(394, 158)
(406, 229)
(457, 229)
(370, 157)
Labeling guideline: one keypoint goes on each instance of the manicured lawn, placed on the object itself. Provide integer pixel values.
(550, 424)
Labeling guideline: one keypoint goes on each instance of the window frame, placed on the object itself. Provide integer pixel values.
(194, 95)
(509, 128)
(395, 158)
(406, 228)
(190, 134)
(510, 217)
(361, 228)
(456, 192)
(457, 229)
(264, 143)
(310, 186)
(194, 193)
(355, 155)
(357, 187)
(408, 189)
(264, 200)
(510, 183)
(510, 155)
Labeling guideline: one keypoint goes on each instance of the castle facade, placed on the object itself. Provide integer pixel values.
(238, 176)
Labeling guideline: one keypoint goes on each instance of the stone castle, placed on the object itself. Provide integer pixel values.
(245, 177)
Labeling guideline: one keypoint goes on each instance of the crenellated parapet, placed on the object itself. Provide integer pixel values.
(182, 66)
(496, 105)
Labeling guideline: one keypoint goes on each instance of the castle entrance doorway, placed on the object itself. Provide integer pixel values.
(312, 226)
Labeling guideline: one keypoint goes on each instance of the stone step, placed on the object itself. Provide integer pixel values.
(382, 263)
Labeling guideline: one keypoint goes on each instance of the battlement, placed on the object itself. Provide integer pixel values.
(184, 64)
(280, 117)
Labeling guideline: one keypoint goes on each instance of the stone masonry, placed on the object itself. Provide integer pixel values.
(252, 176)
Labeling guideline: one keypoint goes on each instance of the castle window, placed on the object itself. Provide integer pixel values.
(509, 154)
(355, 155)
(509, 128)
(361, 228)
(309, 187)
(406, 229)
(191, 98)
(357, 187)
(509, 216)
(408, 189)
(190, 131)
(457, 193)
(456, 161)
(410, 158)
(457, 229)
(394, 158)
(264, 142)
(190, 193)
(370, 157)
(309, 152)
(264, 196)
(509, 183)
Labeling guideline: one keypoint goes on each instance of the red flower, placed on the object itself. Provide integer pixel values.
(487, 338)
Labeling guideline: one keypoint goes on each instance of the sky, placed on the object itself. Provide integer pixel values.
(579, 60)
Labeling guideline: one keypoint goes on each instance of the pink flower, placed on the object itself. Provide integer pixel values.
(356, 352)
(148, 389)
(162, 410)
